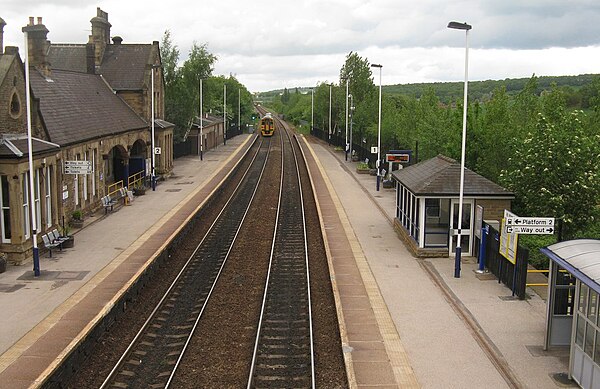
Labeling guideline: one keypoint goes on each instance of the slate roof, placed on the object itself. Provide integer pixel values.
(19, 141)
(68, 57)
(124, 65)
(440, 176)
(163, 124)
(5, 64)
(207, 121)
(77, 107)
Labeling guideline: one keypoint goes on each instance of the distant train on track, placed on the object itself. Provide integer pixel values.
(267, 125)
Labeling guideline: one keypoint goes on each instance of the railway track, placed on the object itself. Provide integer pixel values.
(284, 350)
(153, 356)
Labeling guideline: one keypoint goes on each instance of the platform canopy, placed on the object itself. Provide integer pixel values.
(580, 257)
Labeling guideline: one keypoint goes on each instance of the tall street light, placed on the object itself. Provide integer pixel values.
(239, 108)
(351, 117)
(224, 114)
(329, 132)
(346, 117)
(34, 226)
(153, 174)
(312, 109)
(378, 128)
(201, 122)
(466, 27)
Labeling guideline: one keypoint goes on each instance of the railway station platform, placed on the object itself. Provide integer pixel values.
(405, 322)
(437, 331)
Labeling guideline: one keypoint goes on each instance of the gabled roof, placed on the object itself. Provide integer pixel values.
(6, 61)
(77, 107)
(124, 65)
(68, 57)
(440, 176)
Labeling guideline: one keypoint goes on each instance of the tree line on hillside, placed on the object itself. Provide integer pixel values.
(182, 88)
(531, 141)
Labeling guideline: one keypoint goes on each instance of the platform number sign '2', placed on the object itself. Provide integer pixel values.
(157, 151)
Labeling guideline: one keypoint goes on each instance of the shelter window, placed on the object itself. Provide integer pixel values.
(432, 207)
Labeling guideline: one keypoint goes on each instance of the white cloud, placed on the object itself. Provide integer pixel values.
(271, 44)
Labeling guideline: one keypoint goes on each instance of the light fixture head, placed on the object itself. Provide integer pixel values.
(459, 26)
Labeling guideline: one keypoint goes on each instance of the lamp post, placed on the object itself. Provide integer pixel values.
(153, 174)
(378, 128)
(201, 121)
(239, 108)
(329, 132)
(351, 116)
(312, 109)
(466, 27)
(346, 117)
(36, 254)
(224, 114)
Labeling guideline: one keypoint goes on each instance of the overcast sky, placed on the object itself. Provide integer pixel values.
(270, 44)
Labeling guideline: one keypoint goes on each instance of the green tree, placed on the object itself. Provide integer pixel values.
(555, 172)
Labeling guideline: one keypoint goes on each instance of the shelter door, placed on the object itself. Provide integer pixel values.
(467, 227)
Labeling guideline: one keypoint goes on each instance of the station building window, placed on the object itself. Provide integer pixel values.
(25, 191)
(5, 205)
(15, 106)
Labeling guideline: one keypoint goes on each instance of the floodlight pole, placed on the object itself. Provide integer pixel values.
(457, 261)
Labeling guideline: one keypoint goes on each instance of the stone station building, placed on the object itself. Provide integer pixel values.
(89, 102)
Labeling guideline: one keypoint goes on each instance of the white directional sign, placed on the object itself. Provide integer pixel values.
(530, 230)
(78, 167)
(529, 221)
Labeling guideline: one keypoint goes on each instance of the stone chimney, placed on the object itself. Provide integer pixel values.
(117, 40)
(2, 24)
(100, 35)
(38, 44)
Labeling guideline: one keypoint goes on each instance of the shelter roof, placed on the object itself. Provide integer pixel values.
(440, 176)
(580, 257)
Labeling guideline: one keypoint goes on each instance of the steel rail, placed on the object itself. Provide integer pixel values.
(192, 258)
(278, 231)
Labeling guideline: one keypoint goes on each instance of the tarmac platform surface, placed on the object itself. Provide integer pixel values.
(405, 322)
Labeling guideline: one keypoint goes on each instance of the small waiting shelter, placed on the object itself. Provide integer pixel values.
(573, 310)
(427, 199)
